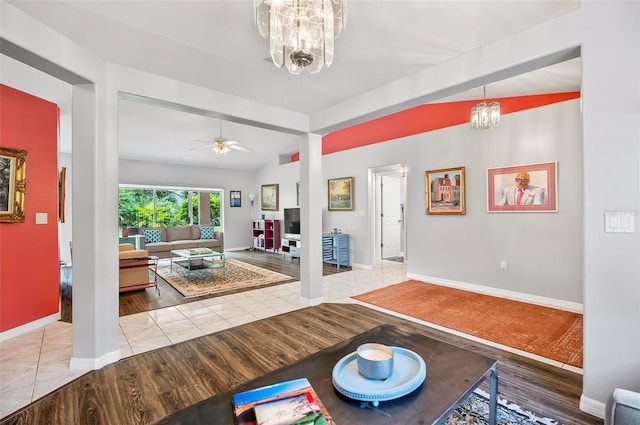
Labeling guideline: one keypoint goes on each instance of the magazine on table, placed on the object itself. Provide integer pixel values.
(292, 402)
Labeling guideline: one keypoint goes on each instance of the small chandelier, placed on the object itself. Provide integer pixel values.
(301, 32)
(485, 116)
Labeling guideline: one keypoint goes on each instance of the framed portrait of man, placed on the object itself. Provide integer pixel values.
(523, 188)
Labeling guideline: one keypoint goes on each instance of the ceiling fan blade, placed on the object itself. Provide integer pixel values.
(209, 146)
(240, 148)
(231, 142)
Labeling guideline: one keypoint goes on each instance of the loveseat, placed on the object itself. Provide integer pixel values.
(159, 241)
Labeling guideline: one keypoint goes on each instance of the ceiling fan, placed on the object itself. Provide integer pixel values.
(222, 146)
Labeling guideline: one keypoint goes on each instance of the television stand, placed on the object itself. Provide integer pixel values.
(290, 247)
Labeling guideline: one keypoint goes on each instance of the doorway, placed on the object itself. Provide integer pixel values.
(389, 193)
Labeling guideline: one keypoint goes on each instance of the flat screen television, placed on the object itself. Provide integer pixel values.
(292, 222)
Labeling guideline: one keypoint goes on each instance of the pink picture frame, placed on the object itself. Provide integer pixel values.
(538, 184)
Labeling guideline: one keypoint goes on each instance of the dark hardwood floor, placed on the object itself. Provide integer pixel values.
(144, 388)
(149, 299)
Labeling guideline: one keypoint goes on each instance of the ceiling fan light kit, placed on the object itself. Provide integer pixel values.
(220, 147)
(301, 32)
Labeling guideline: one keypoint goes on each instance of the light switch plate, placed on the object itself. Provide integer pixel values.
(42, 218)
(619, 222)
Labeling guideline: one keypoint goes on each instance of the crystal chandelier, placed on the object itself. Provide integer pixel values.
(485, 116)
(301, 32)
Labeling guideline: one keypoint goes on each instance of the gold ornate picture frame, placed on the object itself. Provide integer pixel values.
(340, 193)
(61, 193)
(13, 184)
(445, 191)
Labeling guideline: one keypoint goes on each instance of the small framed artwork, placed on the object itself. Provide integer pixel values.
(340, 194)
(234, 198)
(445, 190)
(13, 184)
(298, 193)
(523, 188)
(61, 193)
(269, 197)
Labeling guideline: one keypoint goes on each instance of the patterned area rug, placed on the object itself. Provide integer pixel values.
(399, 259)
(548, 332)
(475, 411)
(239, 275)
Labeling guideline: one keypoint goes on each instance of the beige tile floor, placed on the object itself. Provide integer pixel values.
(37, 363)
(34, 364)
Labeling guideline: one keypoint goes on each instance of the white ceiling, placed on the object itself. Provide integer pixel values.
(214, 44)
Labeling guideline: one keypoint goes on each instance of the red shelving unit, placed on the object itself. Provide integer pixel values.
(266, 235)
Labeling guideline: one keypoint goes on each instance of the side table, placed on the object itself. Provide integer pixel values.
(151, 261)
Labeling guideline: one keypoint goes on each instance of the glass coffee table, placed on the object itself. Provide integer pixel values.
(198, 259)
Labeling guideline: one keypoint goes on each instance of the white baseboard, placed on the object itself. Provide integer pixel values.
(502, 293)
(361, 266)
(593, 407)
(310, 302)
(28, 327)
(78, 363)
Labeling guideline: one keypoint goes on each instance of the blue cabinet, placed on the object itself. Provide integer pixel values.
(335, 249)
(133, 240)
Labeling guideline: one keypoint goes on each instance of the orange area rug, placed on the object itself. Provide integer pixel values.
(548, 332)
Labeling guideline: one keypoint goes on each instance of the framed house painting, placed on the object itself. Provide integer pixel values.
(445, 190)
(234, 198)
(269, 197)
(13, 184)
(340, 194)
(523, 188)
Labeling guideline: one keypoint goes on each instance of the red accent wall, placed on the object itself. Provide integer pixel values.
(428, 117)
(29, 274)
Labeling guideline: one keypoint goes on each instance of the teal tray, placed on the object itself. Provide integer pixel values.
(409, 372)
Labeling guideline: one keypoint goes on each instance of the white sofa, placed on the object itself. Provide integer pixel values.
(626, 407)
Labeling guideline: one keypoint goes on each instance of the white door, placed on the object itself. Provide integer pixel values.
(391, 211)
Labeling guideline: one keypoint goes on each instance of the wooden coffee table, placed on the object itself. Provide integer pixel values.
(452, 374)
(198, 259)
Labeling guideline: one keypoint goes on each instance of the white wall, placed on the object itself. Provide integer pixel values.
(286, 176)
(543, 250)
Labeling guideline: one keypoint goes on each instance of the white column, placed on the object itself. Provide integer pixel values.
(611, 117)
(95, 227)
(311, 218)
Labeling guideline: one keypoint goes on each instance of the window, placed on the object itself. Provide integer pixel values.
(160, 207)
